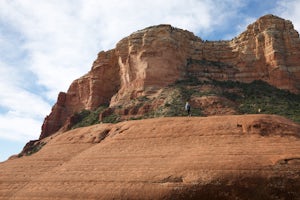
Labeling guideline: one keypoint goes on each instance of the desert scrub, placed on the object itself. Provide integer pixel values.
(260, 96)
(174, 105)
(31, 148)
(113, 118)
(87, 117)
(249, 98)
(35, 148)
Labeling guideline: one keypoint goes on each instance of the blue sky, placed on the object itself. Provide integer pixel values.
(46, 44)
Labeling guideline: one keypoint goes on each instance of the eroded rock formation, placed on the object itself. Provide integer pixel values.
(217, 157)
(88, 92)
(157, 56)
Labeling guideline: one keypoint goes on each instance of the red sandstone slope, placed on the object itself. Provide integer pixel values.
(152, 58)
(220, 157)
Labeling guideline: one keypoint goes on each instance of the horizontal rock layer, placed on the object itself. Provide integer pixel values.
(228, 157)
(157, 56)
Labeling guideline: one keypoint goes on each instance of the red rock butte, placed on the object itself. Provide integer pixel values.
(214, 157)
(157, 56)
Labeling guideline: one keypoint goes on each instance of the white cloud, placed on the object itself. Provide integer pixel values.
(15, 127)
(15, 97)
(21, 111)
(64, 37)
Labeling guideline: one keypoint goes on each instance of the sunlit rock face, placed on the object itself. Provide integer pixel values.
(216, 157)
(157, 56)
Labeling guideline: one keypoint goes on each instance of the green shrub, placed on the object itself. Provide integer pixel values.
(87, 117)
(261, 95)
(136, 118)
(248, 97)
(113, 118)
(189, 81)
(32, 149)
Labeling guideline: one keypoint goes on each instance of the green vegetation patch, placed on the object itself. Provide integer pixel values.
(31, 148)
(250, 98)
(260, 97)
(247, 98)
(113, 118)
(87, 117)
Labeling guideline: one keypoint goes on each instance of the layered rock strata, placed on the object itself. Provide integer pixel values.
(157, 56)
(88, 92)
(217, 157)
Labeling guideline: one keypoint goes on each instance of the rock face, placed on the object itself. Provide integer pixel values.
(88, 92)
(268, 50)
(217, 157)
(157, 56)
(154, 57)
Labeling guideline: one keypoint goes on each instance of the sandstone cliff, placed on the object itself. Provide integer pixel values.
(153, 58)
(88, 92)
(217, 157)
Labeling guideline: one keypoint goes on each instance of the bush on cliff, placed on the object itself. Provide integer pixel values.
(88, 117)
(248, 98)
(260, 96)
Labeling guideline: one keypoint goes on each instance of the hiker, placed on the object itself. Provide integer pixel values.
(188, 108)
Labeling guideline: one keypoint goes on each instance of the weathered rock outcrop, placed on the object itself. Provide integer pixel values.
(268, 50)
(157, 56)
(217, 157)
(154, 57)
(88, 92)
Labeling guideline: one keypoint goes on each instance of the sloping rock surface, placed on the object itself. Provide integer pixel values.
(218, 157)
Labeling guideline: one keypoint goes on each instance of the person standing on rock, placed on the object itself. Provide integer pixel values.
(188, 108)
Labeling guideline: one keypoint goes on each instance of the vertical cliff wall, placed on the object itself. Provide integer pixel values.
(153, 57)
(268, 50)
(88, 92)
(157, 56)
